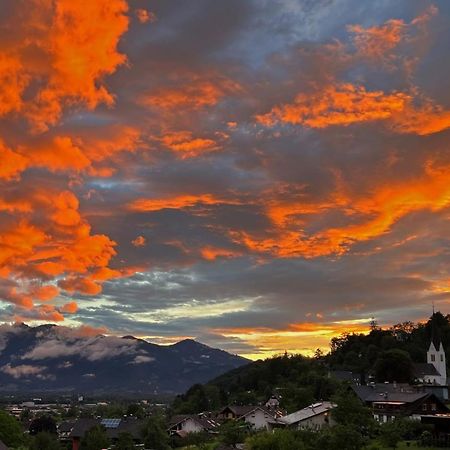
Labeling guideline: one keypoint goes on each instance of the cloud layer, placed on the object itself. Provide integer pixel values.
(262, 175)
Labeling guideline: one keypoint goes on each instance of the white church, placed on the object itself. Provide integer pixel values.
(433, 374)
(436, 357)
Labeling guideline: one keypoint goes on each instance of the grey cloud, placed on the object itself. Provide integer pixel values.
(92, 349)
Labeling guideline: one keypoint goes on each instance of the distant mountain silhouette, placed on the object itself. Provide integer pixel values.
(51, 358)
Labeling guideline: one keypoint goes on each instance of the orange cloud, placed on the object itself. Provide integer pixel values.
(145, 16)
(17, 243)
(178, 202)
(45, 293)
(195, 93)
(342, 104)
(60, 154)
(52, 240)
(92, 154)
(211, 253)
(377, 212)
(12, 163)
(83, 285)
(184, 143)
(81, 47)
(346, 104)
(426, 119)
(375, 42)
(48, 312)
(395, 45)
(390, 203)
(69, 308)
(13, 81)
(140, 241)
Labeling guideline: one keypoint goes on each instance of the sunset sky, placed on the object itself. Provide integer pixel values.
(260, 175)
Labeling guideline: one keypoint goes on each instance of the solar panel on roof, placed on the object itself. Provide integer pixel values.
(110, 423)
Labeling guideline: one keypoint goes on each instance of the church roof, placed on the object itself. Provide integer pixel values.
(422, 369)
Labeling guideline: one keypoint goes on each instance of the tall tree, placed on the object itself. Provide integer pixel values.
(45, 441)
(155, 435)
(44, 424)
(124, 442)
(10, 430)
(394, 365)
(95, 439)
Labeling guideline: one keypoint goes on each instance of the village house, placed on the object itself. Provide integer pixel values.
(185, 424)
(113, 428)
(390, 400)
(64, 429)
(257, 417)
(313, 417)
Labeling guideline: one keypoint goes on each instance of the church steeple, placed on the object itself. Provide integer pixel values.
(435, 334)
(436, 353)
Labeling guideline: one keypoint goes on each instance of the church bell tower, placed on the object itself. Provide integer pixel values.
(436, 354)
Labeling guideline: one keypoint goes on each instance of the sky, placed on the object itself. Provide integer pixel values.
(260, 175)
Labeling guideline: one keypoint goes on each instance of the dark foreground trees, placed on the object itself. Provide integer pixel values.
(95, 439)
(11, 432)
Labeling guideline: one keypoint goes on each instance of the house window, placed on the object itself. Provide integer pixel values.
(424, 407)
(433, 407)
(442, 358)
(433, 358)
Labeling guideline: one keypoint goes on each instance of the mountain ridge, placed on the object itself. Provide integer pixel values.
(55, 358)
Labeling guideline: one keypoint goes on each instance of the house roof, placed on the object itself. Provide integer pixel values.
(3, 446)
(422, 369)
(306, 413)
(206, 423)
(243, 411)
(129, 425)
(66, 426)
(174, 420)
(82, 426)
(388, 392)
(126, 425)
(238, 410)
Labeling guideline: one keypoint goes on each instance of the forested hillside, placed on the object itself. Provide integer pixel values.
(296, 379)
(388, 354)
(385, 354)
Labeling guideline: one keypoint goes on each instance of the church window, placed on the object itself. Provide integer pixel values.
(433, 358)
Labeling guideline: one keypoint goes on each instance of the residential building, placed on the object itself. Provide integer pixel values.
(389, 401)
(113, 428)
(313, 417)
(185, 424)
(257, 417)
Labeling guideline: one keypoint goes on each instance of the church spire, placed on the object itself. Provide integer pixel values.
(435, 334)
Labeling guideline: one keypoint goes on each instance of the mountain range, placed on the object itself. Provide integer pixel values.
(51, 358)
